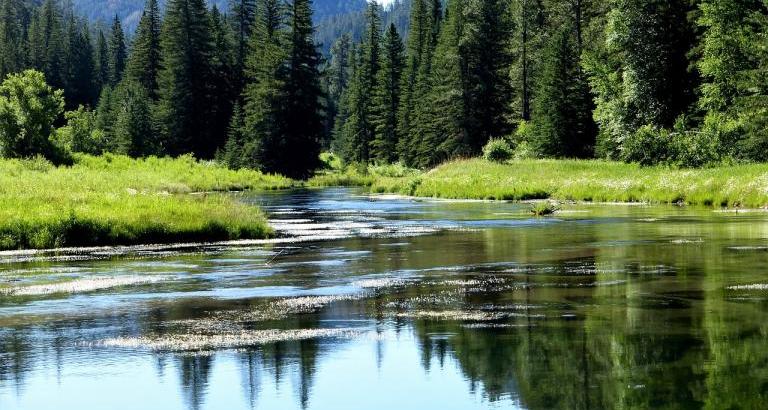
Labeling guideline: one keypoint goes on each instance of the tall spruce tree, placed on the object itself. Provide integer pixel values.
(359, 129)
(102, 61)
(266, 72)
(243, 18)
(80, 86)
(300, 148)
(143, 63)
(47, 52)
(337, 80)
(223, 77)
(117, 52)
(185, 80)
(133, 131)
(387, 98)
(416, 44)
(562, 111)
(527, 42)
(11, 38)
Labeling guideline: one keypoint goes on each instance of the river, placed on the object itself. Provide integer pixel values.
(369, 302)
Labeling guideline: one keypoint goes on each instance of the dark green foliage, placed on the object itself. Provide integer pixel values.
(243, 16)
(143, 64)
(358, 131)
(563, 125)
(387, 98)
(80, 86)
(102, 61)
(46, 40)
(117, 52)
(232, 154)
(12, 58)
(185, 81)
(81, 133)
(337, 77)
(133, 130)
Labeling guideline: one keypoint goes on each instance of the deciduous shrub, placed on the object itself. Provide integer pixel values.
(497, 150)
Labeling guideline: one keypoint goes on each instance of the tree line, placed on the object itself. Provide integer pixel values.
(649, 81)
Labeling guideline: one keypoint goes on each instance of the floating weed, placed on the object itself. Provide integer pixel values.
(236, 339)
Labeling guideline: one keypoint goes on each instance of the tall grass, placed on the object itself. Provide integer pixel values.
(117, 200)
(744, 185)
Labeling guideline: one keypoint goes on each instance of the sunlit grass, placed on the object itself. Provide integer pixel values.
(117, 200)
(744, 185)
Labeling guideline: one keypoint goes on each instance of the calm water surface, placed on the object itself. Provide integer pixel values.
(391, 303)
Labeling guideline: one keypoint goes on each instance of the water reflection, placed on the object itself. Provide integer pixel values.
(603, 307)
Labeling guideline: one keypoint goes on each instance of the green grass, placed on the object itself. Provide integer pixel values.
(744, 185)
(336, 175)
(117, 200)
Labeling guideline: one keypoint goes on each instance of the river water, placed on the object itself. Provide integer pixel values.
(394, 303)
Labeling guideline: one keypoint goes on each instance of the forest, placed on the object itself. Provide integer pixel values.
(679, 83)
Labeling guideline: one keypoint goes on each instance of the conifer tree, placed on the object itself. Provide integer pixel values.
(417, 41)
(337, 77)
(387, 98)
(300, 148)
(527, 42)
(11, 38)
(243, 19)
(265, 68)
(359, 130)
(117, 52)
(232, 154)
(133, 130)
(185, 80)
(102, 61)
(80, 87)
(47, 52)
(144, 61)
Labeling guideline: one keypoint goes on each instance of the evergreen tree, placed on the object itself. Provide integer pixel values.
(337, 77)
(144, 62)
(102, 61)
(133, 130)
(184, 80)
(222, 79)
(414, 122)
(117, 52)
(80, 87)
(233, 155)
(387, 98)
(47, 52)
(359, 130)
(417, 42)
(106, 112)
(527, 42)
(266, 71)
(243, 17)
(562, 111)
(300, 148)
(11, 38)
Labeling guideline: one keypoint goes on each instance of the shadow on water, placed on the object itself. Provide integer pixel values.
(481, 307)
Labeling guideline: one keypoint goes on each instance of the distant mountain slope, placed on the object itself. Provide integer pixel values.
(330, 28)
(129, 11)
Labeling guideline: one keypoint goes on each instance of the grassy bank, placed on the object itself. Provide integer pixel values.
(116, 200)
(599, 181)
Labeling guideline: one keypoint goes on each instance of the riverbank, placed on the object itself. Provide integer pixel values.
(113, 200)
(589, 180)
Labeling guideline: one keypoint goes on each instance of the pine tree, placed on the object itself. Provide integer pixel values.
(11, 38)
(414, 119)
(562, 111)
(47, 52)
(387, 98)
(133, 130)
(266, 72)
(80, 87)
(185, 80)
(301, 139)
(143, 64)
(243, 18)
(233, 155)
(222, 89)
(102, 61)
(337, 78)
(527, 42)
(117, 52)
(359, 129)
(417, 42)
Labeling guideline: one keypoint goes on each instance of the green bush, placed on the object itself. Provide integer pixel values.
(681, 147)
(28, 109)
(80, 134)
(497, 150)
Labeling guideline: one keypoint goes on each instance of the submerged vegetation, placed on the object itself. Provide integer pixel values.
(117, 200)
